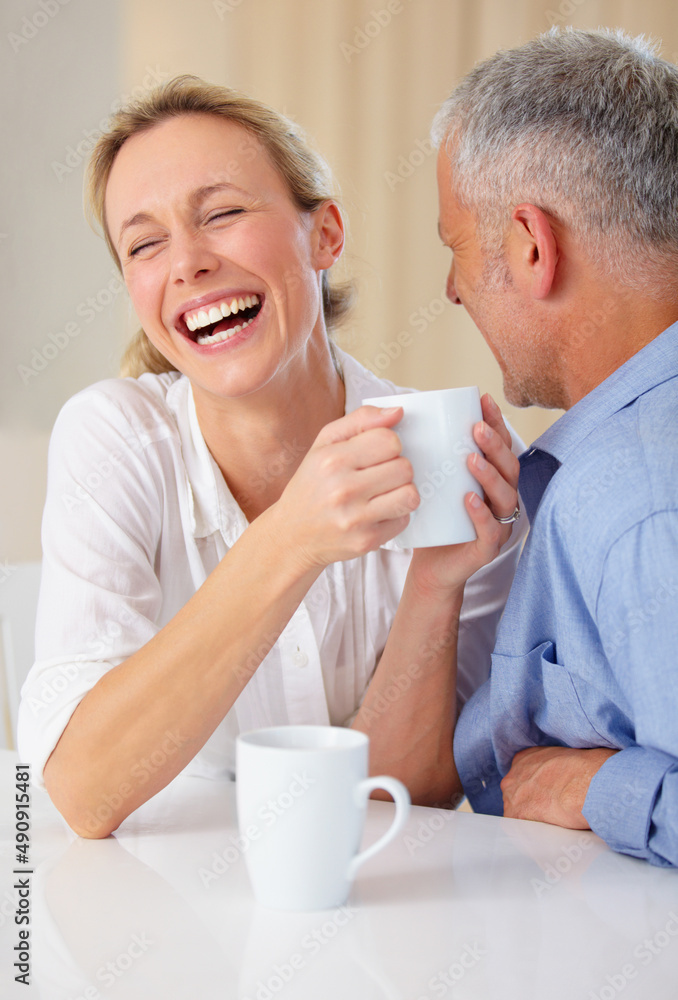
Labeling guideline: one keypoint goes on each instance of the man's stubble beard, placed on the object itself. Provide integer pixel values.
(525, 384)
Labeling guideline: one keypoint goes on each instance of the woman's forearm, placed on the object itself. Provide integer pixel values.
(168, 698)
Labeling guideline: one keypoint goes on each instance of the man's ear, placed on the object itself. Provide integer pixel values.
(329, 229)
(534, 250)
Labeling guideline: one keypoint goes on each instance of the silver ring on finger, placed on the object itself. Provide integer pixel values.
(512, 518)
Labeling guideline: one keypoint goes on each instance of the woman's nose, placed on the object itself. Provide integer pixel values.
(191, 257)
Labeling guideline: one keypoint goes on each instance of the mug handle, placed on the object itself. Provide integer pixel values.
(403, 802)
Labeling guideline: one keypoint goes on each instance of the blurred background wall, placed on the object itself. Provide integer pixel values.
(364, 77)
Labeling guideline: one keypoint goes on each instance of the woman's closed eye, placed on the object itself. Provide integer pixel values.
(150, 243)
(146, 245)
(224, 213)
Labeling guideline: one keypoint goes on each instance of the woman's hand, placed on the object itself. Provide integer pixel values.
(497, 470)
(352, 492)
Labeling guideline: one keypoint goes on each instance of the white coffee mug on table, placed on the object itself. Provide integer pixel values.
(302, 796)
(436, 433)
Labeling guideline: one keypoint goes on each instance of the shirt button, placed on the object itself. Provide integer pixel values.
(300, 658)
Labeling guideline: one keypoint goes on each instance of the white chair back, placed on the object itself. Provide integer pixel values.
(19, 586)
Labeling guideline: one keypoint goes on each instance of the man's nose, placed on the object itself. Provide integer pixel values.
(450, 289)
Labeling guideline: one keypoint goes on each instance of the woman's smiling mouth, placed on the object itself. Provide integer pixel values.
(222, 319)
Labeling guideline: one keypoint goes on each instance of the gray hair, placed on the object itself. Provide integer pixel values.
(583, 124)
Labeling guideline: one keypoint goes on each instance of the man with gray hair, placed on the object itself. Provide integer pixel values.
(558, 178)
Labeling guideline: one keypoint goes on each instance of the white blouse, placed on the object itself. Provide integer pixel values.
(138, 515)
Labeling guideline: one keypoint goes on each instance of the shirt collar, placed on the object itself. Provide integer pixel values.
(361, 383)
(655, 363)
(212, 505)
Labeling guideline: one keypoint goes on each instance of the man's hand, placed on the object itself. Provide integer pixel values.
(550, 784)
(497, 471)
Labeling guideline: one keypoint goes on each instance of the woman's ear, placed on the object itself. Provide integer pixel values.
(534, 250)
(330, 235)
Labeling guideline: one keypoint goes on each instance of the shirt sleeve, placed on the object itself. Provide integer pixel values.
(632, 802)
(99, 595)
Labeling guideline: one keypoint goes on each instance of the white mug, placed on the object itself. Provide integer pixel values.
(302, 796)
(436, 433)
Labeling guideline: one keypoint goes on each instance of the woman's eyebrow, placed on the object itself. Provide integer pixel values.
(134, 220)
(201, 193)
(196, 198)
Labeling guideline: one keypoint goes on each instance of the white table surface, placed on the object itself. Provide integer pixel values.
(459, 906)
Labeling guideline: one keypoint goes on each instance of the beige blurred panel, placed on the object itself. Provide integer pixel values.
(23, 454)
(364, 78)
(173, 35)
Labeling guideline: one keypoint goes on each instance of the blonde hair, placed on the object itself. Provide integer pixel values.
(307, 176)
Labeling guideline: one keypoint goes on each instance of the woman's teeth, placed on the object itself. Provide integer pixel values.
(216, 338)
(215, 314)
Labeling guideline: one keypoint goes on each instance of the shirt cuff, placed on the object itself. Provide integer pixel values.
(621, 798)
(474, 755)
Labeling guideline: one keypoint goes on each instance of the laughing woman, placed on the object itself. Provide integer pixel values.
(217, 526)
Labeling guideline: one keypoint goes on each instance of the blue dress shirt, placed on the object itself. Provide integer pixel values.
(587, 649)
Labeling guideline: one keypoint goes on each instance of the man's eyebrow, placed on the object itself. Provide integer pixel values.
(196, 198)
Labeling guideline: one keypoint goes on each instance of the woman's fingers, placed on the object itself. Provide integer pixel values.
(369, 449)
(363, 419)
(380, 480)
(398, 503)
(353, 490)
